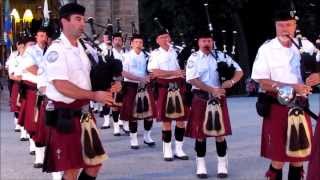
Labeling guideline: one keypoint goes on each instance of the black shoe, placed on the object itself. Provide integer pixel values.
(202, 176)
(117, 134)
(32, 153)
(168, 159)
(127, 133)
(24, 139)
(38, 165)
(182, 157)
(17, 130)
(105, 127)
(222, 175)
(135, 147)
(150, 144)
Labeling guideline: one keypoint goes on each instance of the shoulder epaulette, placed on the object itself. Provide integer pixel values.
(195, 54)
(267, 41)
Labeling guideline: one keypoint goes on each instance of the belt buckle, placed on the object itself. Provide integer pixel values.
(85, 108)
(171, 86)
(141, 87)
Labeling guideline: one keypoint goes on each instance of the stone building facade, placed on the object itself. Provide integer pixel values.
(102, 10)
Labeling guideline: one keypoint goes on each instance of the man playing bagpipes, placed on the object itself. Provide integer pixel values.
(14, 73)
(73, 141)
(286, 127)
(19, 92)
(165, 70)
(138, 102)
(32, 58)
(118, 53)
(209, 115)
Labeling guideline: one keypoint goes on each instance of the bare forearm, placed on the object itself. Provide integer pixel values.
(270, 85)
(199, 84)
(70, 90)
(33, 69)
(164, 74)
(237, 76)
(131, 76)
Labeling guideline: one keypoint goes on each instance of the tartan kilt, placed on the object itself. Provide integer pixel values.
(64, 150)
(14, 97)
(196, 118)
(126, 111)
(42, 130)
(274, 135)
(162, 98)
(30, 108)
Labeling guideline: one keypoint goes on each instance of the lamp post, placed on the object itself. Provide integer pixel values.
(27, 18)
(15, 17)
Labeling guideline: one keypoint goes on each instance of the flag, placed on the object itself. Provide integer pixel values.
(7, 35)
(46, 16)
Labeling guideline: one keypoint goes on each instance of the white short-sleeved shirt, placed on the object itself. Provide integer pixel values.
(42, 75)
(32, 56)
(135, 64)
(204, 67)
(66, 62)
(278, 63)
(12, 62)
(18, 66)
(118, 54)
(163, 60)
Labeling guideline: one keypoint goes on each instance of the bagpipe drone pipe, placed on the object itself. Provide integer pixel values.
(106, 69)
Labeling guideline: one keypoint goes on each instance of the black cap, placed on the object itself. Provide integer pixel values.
(117, 34)
(136, 36)
(204, 34)
(43, 29)
(161, 31)
(27, 39)
(284, 15)
(71, 8)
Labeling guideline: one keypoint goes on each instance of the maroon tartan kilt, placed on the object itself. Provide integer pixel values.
(197, 114)
(14, 96)
(274, 135)
(42, 130)
(64, 150)
(162, 98)
(127, 108)
(314, 164)
(22, 112)
(29, 108)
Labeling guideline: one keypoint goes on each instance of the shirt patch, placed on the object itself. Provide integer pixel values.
(52, 56)
(39, 53)
(190, 64)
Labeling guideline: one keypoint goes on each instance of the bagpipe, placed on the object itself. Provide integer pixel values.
(106, 69)
(225, 70)
(308, 62)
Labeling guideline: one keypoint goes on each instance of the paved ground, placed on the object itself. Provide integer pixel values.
(146, 163)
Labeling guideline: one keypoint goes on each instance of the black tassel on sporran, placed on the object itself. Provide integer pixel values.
(217, 124)
(294, 139)
(304, 143)
(88, 150)
(97, 145)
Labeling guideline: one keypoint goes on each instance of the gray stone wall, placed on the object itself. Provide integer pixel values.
(102, 10)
